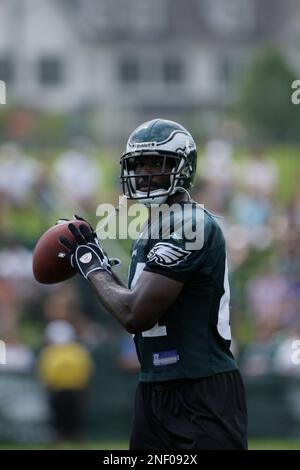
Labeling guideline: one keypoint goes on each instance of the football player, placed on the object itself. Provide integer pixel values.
(190, 394)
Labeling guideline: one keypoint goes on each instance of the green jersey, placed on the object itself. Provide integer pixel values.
(192, 338)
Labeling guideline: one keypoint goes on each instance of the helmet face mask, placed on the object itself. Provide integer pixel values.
(168, 167)
(173, 151)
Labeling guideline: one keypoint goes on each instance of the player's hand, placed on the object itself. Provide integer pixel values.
(85, 253)
(113, 262)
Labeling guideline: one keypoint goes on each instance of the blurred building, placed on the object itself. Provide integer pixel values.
(128, 59)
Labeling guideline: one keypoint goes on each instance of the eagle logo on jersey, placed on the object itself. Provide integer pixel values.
(166, 254)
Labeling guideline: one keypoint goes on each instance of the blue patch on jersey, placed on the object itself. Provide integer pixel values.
(165, 358)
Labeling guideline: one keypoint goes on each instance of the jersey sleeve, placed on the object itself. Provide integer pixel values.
(178, 255)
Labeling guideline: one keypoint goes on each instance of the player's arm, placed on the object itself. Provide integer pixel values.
(118, 280)
(138, 309)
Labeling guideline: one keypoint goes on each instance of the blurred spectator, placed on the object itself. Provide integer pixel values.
(10, 307)
(267, 296)
(294, 209)
(217, 163)
(258, 356)
(20, 124)
(18, 174)
(77, 177)
(15, 262)
(237, 245)
(62, 303)
(45, 195)
(258, 174)
(4, 212)
(250, 209)
(19, 357)
(287, 358)
(65, 367)
(217, 174)
(88, 332)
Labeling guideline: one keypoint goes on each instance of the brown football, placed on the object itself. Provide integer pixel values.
(47, 267)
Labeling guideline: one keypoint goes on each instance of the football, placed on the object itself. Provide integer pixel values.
(47, 267)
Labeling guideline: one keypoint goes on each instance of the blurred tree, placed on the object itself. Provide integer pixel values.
(264, 104)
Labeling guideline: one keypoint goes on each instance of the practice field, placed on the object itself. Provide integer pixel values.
(254, 444)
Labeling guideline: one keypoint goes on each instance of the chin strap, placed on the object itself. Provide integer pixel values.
(180, 189)
(158, 200)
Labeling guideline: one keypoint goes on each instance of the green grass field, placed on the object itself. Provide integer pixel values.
(254, 444)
